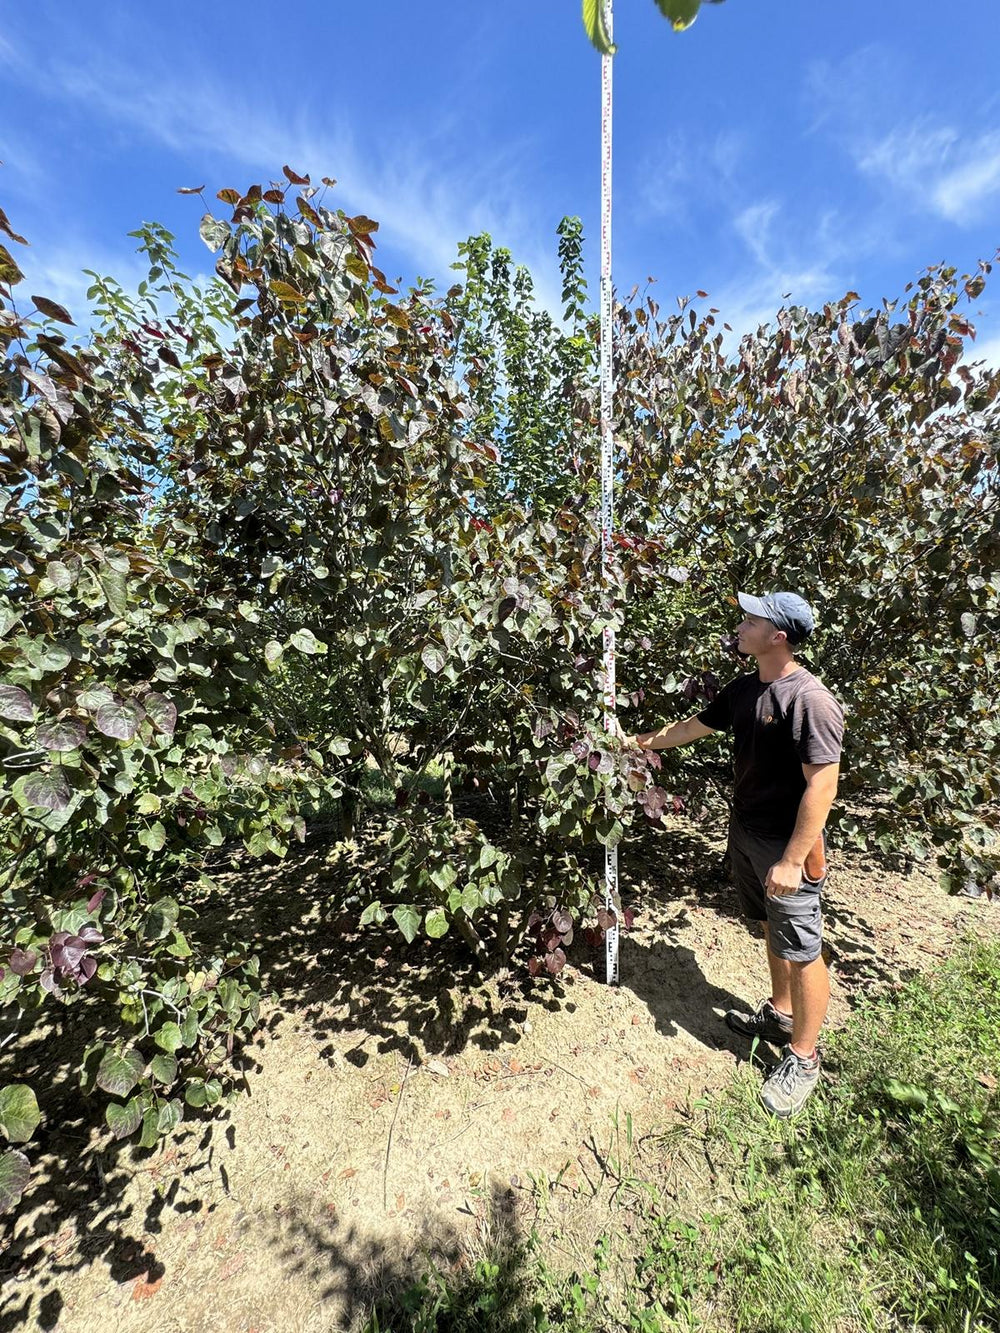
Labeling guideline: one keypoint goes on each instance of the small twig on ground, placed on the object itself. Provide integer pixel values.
(556, 1065)
(388, 1143)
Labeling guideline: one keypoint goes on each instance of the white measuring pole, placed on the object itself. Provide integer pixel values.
(611, 898)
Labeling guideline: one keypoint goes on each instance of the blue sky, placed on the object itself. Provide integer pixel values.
(778, 146)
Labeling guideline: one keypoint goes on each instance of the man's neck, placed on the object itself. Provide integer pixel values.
(775, 666)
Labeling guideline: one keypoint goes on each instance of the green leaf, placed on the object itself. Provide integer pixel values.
(907, 1094)
(120, 1071)
(150, 1129)
(681, 13)
(436, 923)
(154, 837)
(407, 918)
(115, 589)
(124, 1120)
(148, 803)
(273, 653)
(472, 900)
(94, 697)
(169, 1039)
(163, 1066)
(15, 704)
(19, 1114)
(306, 642)
(373, 912)
(199, 1092)
(170, 1115)
(433, 658)
(214, 232)
(593, 21)
(14, 1176)
(443, 876)
(189, 1027)
(161, 919)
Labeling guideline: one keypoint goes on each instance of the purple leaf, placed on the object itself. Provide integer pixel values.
(161, 712)
(91, 935)
(555, 961)
(562, 921)
(96, 901)
(15, 704)
(88, 966)
(654, 801)
(22, 961)
(580, 749)
(66, 956)
(61, 736)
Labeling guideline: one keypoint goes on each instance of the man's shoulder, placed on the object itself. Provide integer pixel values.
(812, 692)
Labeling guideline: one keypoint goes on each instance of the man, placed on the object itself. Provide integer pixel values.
(787, 735)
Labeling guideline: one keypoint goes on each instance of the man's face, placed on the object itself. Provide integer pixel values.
(757, 635)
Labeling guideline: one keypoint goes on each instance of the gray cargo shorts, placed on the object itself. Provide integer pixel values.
(795, 920)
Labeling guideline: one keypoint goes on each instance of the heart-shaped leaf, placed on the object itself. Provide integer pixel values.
(19, 1114)
(120, 1071)
(15, 704)
(61, 736)
(436, 923)
(47, 791)
(407, 918)
(15, 1173)
(161, 711)
(123, 1120)
(120, 719)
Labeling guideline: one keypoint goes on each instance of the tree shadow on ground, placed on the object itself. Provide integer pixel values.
(356, 990)
(670, 865)
(449, 1283)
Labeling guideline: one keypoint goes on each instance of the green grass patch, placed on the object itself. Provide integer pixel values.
(876, 1208)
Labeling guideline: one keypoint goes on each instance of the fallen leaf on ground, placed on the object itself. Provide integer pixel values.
(143, 1288)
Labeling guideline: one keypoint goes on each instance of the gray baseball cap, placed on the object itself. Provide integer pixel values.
(787, 610)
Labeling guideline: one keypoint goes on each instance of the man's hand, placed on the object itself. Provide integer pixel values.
(783, 877)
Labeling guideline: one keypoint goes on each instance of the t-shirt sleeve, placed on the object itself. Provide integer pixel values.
(719, 713)
(818, 728)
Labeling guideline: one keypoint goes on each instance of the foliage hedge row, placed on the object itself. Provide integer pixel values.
(254, 533)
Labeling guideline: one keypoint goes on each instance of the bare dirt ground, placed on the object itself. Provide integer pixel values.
(390, 1116)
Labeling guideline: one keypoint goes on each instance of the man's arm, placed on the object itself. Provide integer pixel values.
(785, 876)
(677, 733)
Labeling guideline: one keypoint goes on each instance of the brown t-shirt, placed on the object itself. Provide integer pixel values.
(777, 727)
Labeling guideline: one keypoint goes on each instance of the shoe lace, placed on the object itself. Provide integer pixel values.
(785, 1074)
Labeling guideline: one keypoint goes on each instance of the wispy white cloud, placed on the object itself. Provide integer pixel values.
(421, 191)
(928, 163)
(57, 272)
(937, 168)
(680, 168)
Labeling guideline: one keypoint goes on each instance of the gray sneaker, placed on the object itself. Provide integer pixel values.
(788, 1086)
(765, 1023)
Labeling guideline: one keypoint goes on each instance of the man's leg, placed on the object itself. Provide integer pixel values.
(810, 997)
(781, 977)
